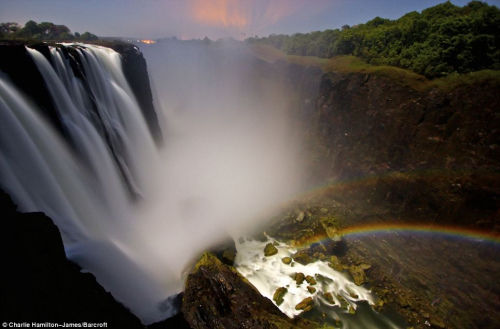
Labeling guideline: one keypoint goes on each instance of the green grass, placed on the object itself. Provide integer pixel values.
(456, 80)
(352, 64)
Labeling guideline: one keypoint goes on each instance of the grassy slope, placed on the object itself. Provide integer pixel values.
(352, 64)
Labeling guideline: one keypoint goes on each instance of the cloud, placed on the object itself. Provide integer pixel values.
(220, 13)
(246, 15)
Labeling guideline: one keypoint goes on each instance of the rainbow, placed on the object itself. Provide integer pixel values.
(377, 229)
(371, 229)
(426, 229)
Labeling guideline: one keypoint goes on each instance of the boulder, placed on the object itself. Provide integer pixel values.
(39, 284)
(305, 305)
(217, 296)
(279, 294)
(270, 250)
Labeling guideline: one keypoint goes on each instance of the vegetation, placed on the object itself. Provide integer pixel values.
(436, 42)
(42, 31)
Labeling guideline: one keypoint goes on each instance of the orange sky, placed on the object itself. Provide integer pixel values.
(243, 15)
(212, 18)
(224, 13)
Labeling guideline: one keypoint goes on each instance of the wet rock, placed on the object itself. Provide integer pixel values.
(329, 297)
(279, 295)
(39, 284)
(352, 294)
(329, 225)
(299, 278)
(438, 323)
(311, 290)
(270, 250)
(358, 274)
(135, 70)
(335, 263)
(343, 302)
(225, 251)
(229, 256)
(302, 257)
(217, 296)
(305, 305)
(286, 260)
(300, 217)
(311, 280)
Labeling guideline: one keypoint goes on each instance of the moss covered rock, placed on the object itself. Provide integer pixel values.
(329, 297)
(311, 280)
(358, 274)
(279, 295)
(303, 257)
(270, 250)
(217, 296)
(305, 305)
(299, 277)
(335, 263)
(311, 290)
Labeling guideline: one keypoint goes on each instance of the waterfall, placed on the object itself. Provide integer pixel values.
(132, 214)
(87, 184)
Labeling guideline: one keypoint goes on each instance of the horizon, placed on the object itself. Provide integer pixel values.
(217, 19)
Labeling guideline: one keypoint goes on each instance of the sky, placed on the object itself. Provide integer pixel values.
(187, 19)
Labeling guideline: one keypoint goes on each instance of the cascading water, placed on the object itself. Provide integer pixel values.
(84, 188)
(133, 215)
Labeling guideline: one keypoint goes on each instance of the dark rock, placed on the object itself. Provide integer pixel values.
(329, 298)
(299, 278)
(270, 250)
(305, 305)
(216, 296)
(40, 284)
(136, 72)
(20, 69)
(225, 251)
(310, 280)
(279, 294)
(303, 257)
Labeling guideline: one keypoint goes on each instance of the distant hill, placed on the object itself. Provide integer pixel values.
(440, 40)
(42, 31)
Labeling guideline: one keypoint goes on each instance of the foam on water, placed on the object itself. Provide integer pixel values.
(270, 273)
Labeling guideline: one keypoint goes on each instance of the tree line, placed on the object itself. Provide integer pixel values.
(438, 41)
(42, 31)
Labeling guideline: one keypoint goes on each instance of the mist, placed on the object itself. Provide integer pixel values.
(227, 161)
(229, 157)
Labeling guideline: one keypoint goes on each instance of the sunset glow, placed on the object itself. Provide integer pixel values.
(224, 13)
(244, 16)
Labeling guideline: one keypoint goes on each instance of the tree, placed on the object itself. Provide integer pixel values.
(87, 36)
(30, 28)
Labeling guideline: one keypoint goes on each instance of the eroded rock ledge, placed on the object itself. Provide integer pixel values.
(217, 296)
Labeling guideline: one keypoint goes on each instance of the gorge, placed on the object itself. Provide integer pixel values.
(138, 191)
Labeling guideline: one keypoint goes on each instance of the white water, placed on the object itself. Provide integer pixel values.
(218, 173)
(270, 273)
(85, 195)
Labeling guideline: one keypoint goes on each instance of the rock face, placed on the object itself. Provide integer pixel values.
(16, 63)
(18, 66)
(136, 72)
(40, 284)
(430, 153)
(377, 123)
(216, 296)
